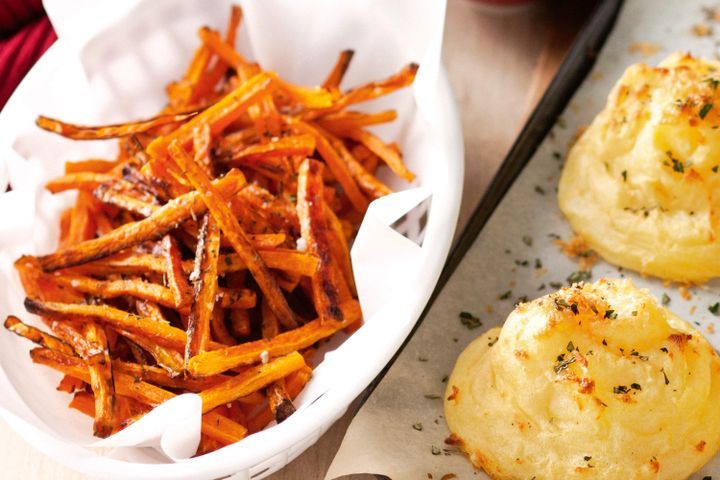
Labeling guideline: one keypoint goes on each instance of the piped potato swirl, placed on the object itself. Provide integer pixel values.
(595, 381)
(641, 186)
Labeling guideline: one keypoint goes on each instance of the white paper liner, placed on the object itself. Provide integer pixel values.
(111, 64)
(381, 439)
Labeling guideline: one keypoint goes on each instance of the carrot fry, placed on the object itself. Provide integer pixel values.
(232, 230)
(124, 263)
(338, 167)
(213, 424)
(378, 147)
(328, 285)
(339, 249)
(82, 220)
(223, 359)
(218, 116)
(83, 402)
(152, 227)
(101, 380)
(162, 378)
(87, 181)
(356, 119)
(239, 322)
(107, 194)
(219, 331)
(242, 298)
(90, 166)
(204, 85)
(269, 326)
(338, 72)
(150, 310)
(82, 132)
(176, 280)
(371, 90)
(160, 332)
(35, 335)
(227, 52)
(70, 384)
(250, 380)
(262, 153)
(166, 358)
(222, 429)
(205, 276)
(134, 287)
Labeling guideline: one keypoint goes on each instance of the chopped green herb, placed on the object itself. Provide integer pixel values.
(634, 313)
(444, 379)
(570, 347)
(470, 321)
(713, 82)
(665, 299)
(715, 169)
(505, 295)
(422, 359)
(678, 165)
(620, 389)
(561, 122)
(556, 285)
(541, 287)
(557, 155)
(587, 458)
(664, 349)
(432, 396)
(538, 263)
(527, 240)
(624, 175)
(579, 276)
(610, 314)
(539, 189)
(715, 308)
(492, 341)
(604, 342)
(228, 260)
(560, 302)
(667, 382)
(705, 110)
(635, 386)
(418, 426)
(522, 263)
(574, 308)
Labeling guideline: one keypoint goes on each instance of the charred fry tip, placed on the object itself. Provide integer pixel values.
(284, 410)
(34, 306)
(413, 67)
(349, 52)
(11, 321)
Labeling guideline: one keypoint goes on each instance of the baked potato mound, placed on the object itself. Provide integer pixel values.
(641, 185)
(596, 381)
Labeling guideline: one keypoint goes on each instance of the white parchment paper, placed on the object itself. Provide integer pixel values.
(381, 439)
(111, 64)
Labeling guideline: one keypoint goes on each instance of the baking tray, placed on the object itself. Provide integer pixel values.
(508, 251)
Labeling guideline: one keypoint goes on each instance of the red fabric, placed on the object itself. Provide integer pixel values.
(25, 34)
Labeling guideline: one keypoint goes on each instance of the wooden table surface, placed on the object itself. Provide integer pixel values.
(499, 63)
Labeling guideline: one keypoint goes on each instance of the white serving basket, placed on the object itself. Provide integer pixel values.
(111, 63)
